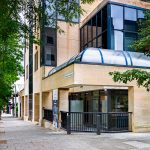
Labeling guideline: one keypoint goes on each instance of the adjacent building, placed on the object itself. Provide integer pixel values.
(70, 71)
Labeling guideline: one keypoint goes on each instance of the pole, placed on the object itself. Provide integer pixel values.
(98, 124)
(15, 102)
(68, 124)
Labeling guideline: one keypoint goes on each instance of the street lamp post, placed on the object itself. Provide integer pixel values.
(15, 102)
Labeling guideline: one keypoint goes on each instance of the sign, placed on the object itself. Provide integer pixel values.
(55, 108)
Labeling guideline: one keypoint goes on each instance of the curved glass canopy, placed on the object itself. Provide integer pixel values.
(107, 57)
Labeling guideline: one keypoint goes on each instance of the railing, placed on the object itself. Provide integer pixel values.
(96, 122)
(48, 114)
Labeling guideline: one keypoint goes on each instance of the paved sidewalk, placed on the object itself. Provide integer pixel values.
(16, 134)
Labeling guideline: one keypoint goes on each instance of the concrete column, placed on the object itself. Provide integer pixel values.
(63, 99)
(40, 109)
(26, 108)
(63, 102)
(33, 108)
(139, 104)
(22, 107)
(19, 108)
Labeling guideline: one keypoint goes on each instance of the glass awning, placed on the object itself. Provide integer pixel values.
(107, 57)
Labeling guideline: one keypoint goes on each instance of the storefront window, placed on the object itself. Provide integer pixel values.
(119, 101)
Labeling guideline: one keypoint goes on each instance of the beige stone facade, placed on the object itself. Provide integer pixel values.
(80, 77)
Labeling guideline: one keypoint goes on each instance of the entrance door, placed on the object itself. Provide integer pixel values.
(118, 103)
(91, 104)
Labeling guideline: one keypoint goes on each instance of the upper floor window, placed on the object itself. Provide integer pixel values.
(52, 12)
(124, 26)
(50, 40)
(68, 5)
(94, 32)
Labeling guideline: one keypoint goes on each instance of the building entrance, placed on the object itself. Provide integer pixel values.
(110, 104)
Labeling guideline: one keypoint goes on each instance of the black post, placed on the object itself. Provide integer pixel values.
(98, 124)
(68, 124)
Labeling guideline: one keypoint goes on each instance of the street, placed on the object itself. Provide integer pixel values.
(16, 134)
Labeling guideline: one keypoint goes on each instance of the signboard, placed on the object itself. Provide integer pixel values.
(55, 108)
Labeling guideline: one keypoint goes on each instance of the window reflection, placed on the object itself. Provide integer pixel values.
(117, 16)
(89, 31)
(141, 14)
(92, 34)
(130, 14)
(99, 24)
(129, 39)
(130, 25)
(94, 26)
(118, 38)
(122, 25)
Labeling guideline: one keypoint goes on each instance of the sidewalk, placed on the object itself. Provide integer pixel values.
(20, 135)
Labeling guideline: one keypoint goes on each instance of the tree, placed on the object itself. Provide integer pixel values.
(142, 44)
(17, 19)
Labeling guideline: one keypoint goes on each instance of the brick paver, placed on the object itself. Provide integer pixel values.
(21, 135)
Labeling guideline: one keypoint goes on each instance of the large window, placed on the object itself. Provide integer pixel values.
(113, 27)
(124, 26)
(94, 32)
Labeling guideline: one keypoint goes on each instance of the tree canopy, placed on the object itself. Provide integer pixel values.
(15, 19)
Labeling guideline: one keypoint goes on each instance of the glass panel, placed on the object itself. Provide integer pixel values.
(94, 43)
(139, 59)
(113, 57)
(104, 18)
(91, 55)
(85, 34)
(104, 40)
(94, 26)
(81, 38)
(141, 14)
(90, 44)
(119, 101)
(89, 31)
(95, 99)
(118, 40)
(130, 25)
(129, 39)
(66, 6)
(99, 25)
(130, 14)
(117, 17)
(99, 41)
(50, 14)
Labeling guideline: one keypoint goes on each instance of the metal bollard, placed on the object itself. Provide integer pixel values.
(68, 124)
(98, 124)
